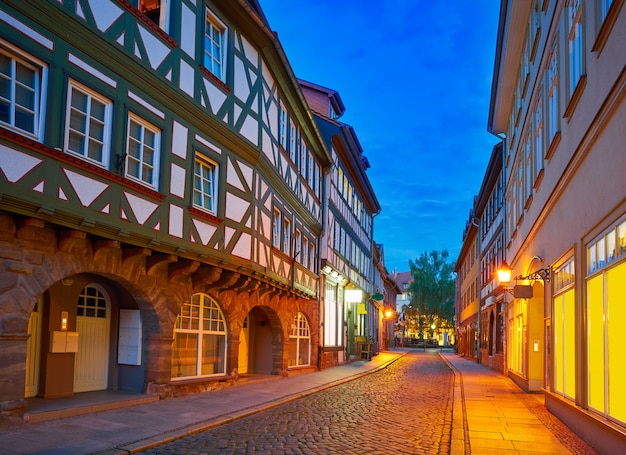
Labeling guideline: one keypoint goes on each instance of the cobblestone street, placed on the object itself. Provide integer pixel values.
(403, 409)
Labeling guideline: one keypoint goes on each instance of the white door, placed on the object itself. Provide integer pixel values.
(91, 362)
(242, 365)
(33, 350)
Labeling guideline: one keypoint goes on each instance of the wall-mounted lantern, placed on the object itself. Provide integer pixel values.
(521, 291)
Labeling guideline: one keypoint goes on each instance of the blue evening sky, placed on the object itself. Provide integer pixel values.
(415, 77)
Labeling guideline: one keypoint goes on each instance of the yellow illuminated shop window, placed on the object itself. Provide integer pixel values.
(616, 303)
(595, 327)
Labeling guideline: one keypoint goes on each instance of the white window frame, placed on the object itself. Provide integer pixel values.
(194, 322)
(553, 93)
(297, 254)
(286, 235)
(276, 228)
(576, 43)
(293, 140)
(208, 195)
(311, 256)
(282, 127)
(305, 251)
(300, 331)
(88, 137)
(215, 32)
(154, 166)
(38, 89)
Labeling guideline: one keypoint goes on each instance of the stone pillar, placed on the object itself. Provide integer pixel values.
(157, 362)
(12, 378)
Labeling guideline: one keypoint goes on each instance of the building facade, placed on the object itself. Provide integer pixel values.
(160, 204)
(558, 99)
(489, 211)
(350, 316)
(468, 291)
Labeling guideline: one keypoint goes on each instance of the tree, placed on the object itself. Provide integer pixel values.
(433, 287)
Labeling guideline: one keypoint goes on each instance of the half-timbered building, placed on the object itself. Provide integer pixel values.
(351, 318)
(160, 200)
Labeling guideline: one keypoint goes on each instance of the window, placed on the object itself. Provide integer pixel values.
(91, 303)
(276, 228)
(282, 127)
(215, 34)
(333, 316)
(538, 137)
(564, 323)
(204, 184)
(312, 255)
(154, 10)
(292, 141)
(305, 251)
(309, 169)
(607, 248)
(299, 342)
(199, 347)
(88, 124)
(303, 153)
(142, 151)
(21, 92)
(298, 246)
(604, 8)
(605, 296)
(553, 93)
(286, 235)
(576, 43)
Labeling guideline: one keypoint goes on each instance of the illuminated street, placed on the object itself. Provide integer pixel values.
(405, 408)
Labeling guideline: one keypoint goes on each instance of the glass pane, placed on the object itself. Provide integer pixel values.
(148, 156)
(213, 353)
(76, 142)
(292, 352)
(78, 121)
(146, 174)
(96, 130)
(132, 167)
(595, 305)
(24, 75)
(5, 65)
(303, 357)
(98, 110)
(149, 138)
(79, 100)
(134, 131)
(569, 343)
(621, 237)
(610, 245)
(25, 120)
(616, 298)
(184, 355)
(133, 148)
(95, 151)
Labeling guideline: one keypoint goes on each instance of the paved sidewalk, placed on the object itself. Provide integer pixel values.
(491, 415)
(133, 429)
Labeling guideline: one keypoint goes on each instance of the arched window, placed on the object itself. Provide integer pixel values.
(299, 342)
(199, 347)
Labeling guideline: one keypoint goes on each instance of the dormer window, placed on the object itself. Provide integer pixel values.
(331, 112)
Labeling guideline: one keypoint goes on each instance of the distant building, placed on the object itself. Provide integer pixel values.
(467, 294)
(489, 211)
